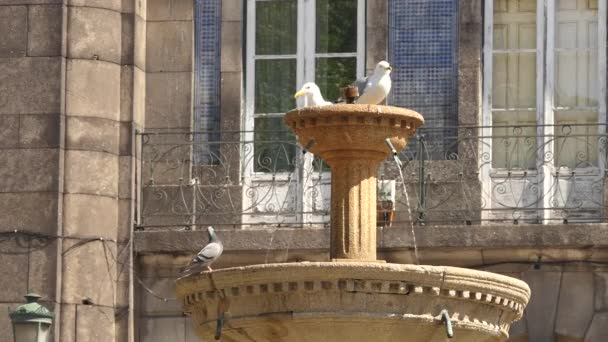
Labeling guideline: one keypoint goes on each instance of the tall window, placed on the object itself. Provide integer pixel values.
(290, 42)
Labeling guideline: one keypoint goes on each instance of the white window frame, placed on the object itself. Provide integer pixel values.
(545, 115)
(305, 72)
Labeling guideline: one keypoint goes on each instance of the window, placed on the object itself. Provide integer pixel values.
(289, 43)
(423, 40)
(544, 106)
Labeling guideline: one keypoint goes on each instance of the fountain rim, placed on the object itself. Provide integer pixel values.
(341, 109)
(442, 277)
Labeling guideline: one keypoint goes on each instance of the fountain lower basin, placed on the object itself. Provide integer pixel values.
(352, 301)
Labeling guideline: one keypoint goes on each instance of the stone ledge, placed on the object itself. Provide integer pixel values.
(507, 236)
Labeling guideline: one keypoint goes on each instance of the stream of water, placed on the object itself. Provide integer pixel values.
(409, 210)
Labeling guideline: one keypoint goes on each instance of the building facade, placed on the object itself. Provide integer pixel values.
(128, 126)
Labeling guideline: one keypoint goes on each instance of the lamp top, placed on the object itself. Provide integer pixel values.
(31, 311)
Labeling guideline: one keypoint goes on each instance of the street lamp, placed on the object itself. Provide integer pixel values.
(31, 321)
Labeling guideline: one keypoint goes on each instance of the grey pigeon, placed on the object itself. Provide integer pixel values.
(209, 254)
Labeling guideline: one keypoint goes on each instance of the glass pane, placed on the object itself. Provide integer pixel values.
(334, 73)
(275, 84)
(336, 26)
(276, 27)
(26, 332)
(275, 146)
(514, 80)
(576, 142)
(514, 140)
(576, 61)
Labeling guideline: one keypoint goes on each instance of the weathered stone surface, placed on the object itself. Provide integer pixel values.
(470, 46)
(168, 10)
(471, 11)
(90, 215)
(127, 38)
(139, 97)
(232, 10)
(601, 290)
(231, 101)
(92, 134)
(598, 331)
(93, 89)
(125, 139)
(162, 287)
(94, 33)
(139, 43)
(469, 99)
(29, 170)
(68, 323)
(13, 20)
(93, 173)
(18, 209)
(162, 329)
(126, 93)
(168, 100)
(461, 258)
(575, 304)
(94, 324)
(44, 30)
(232, 46)
(14, 269)
(114, 5)
(9, 131)
(38, 131)
(540, 313)
(89, 270)
(124, 176)
(169, 46)
(125, 220)
(30, 85)
(42, 275)
(6, 328)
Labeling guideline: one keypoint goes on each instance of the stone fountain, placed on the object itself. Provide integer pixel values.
(354, 297)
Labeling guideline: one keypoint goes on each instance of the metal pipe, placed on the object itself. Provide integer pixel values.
(447, 322)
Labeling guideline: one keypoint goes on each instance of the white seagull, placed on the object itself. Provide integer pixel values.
(374, 88)
(210, 253)
(312, 95)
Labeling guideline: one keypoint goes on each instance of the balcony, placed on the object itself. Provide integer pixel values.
(466, 175)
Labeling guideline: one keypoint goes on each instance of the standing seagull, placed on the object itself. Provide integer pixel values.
(374, 88)
(210, 253)
(313, 95)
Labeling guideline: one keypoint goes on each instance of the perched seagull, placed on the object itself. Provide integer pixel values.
(210, 253)
(313, 95)
(374, 88)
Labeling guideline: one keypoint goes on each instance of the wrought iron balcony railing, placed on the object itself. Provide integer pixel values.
(453, 175)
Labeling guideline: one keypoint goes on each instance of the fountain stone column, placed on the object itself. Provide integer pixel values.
(351, 139)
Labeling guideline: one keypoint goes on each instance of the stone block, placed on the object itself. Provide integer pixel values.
(6, 328)
(469, 99)
(39, 131)
(139, 97)
(42, 268)
(232, 10)
(14, 261)
(125, 219)
(126, 93)
(162, 329)
(125, 164)
(598, 330)
(232, 46)
(541, 310)
(377, 47)
(31, 211)
(94, 33)
(92, 134)
(93, 89)
(450, 257)
(44, 30)
(168, 100)
(377, 13)
(9, 131)
(470, 46)
(139, 43)
(169, 46)
(94, 173)
(29, 170)
(30, 85)
(471, 11)
(601, 290)
(67, 323)
(168, 10)
(575, 304)
(89, 270)
(125, 139)
(90, 215)
(13, 20)
(151, 304)
(231, 101)
(127, 38)
(94, 324)
(114, 5)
